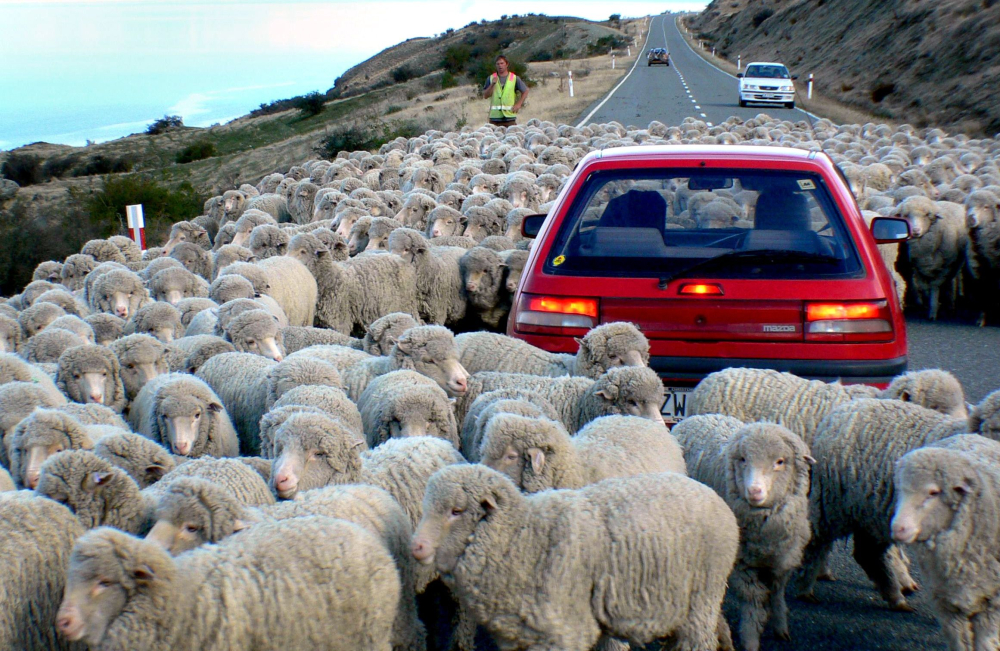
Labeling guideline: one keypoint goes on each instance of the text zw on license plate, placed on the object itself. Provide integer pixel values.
(675, 406)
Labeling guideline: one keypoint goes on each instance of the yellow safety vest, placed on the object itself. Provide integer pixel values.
(503, 98)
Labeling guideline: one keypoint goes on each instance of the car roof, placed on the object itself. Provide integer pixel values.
(767, 63)
(758, 152)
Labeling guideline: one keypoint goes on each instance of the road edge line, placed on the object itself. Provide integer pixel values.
(597, 108)
(725, 72)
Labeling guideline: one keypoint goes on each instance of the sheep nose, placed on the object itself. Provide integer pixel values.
(472, 287)
(183, 448)
(436, 233)
(903, 532)
(278, 357)
(95, 397)
(31, 481)
(121, 311)
(69, 623)
(285, 482)
(421, 550)
(755, 494)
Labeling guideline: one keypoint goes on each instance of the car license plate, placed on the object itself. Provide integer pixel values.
(675, 407)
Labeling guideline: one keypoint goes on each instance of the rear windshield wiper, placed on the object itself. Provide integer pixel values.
(765, 255)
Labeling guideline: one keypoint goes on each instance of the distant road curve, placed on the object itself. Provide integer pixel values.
(689, 87)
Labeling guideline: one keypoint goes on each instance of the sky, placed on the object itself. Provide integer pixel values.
(78, 70)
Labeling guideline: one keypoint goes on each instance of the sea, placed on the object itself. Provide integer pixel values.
(79, 71)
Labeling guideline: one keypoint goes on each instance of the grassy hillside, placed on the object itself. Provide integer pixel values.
(927, 63)
(71, 194)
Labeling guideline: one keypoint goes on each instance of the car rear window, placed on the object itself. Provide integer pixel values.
(712, 223)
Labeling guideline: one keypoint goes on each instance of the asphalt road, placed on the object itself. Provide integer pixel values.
(850, 615)
(689, 87)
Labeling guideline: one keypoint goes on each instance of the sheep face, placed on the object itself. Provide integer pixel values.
(982, 210)
(435, 358)
(415, 209)
(421, 412)
(10, 335)
(346, 220)
(185, 232)
(359, 236)
(102, 577)
(38, 437)
(310, 451)
(613, 345)
(931, 486)
(920, 213)
(90, 374)
(140, 364)
(193, 512)
(761, 468)
(256, 332)
(454, 505)
(630, 391)
(233, 204)
(445, 222)
(184, 421)
(121, 299)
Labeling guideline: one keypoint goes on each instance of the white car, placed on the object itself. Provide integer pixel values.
(767, 83)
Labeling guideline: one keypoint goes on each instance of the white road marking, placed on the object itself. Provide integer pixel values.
(704, 116)
(597, 108)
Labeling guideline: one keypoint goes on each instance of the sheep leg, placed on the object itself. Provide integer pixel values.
(816, 553)
(986, 630)
(825, 573)
(935, 291)
(899, 564)
(724, 635)
(872, 556)
(701, 629)
(779, 607)
(749, 586)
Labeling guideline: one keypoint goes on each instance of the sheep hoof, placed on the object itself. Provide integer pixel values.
(910, 588)
(808, 597)
(783, 635)
(826, 576)
(901, 606)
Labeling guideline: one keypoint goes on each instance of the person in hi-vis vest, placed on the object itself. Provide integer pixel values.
(506, 92)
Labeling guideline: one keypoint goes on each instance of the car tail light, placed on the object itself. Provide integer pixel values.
(556, 314)
(700, 290)
(867, 321)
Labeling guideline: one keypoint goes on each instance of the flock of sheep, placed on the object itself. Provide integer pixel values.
(265, 434)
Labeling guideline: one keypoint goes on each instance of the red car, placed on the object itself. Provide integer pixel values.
(723, 256)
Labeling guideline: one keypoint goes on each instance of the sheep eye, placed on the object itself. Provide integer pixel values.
(743, 459)
(251, 342)
(190, 528)
(456, 511)
(104, 584)
(779, 462)
(76, 376)
(934, 492)
(130, 293)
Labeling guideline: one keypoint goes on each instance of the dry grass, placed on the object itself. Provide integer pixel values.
(823, 106)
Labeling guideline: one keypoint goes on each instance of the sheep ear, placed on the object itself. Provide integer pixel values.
(96, 479)
(489, 503)
(608, 394)
(537, 459)
(463, 220)
(904, 395)
(809, 459)
(154, 472)
(214, 407)
(405, 346)
(240, 525)
(143, 574)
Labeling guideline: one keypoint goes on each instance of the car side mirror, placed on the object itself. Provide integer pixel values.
(889, 230)
(739, 75)
(531, 224)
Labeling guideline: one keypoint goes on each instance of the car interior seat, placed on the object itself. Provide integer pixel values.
(636, 209)
(782, 222)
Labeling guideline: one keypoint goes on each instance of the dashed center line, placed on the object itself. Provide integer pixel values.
(687, 89)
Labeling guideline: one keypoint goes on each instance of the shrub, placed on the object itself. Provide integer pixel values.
(448, 80)
(456, 58)
(403, 74)
(881, 91)
(196, 151)
(366, 136)
(101, 164)
(761, 16)
(605, 43)
(164, 124)
(161, 206)
(23, 169)
(310, 104)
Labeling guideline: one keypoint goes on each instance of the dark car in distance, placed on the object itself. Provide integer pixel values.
(722, 256)
(657, 55)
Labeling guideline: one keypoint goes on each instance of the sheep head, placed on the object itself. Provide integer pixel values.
(765, 463)
(933, 486)
(91, 374)
(431, 351)
(313, 450)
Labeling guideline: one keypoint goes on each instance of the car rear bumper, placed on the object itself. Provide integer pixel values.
(692, 369)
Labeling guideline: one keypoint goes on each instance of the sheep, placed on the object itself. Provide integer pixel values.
(193, 258)
(235, 603)
(246, 223)
(234, 205)
(145, 461)
(441, 292)
(607, 346)
(15, 369)
(172, 285)
(36, 318)
(507, 401)
(982, 215)
(946, 515)
(72, 323)
(753, 395)
(378, 233)
(128, 247)
(159, 264)
(444, 221)
(293, 287)
(49, 270)
(346, 217)
(356, 292)
(93, 414)
(11, 335)
(415, 209)
(91, 373)
(335, 244)
(36, 538)
(75, 268)
(538, 454)
(937, 250)
(227, 254)
(107, 327)
(227, 288)
(314, 399)
(497, 243)
(249, 385)
(140, 358)
(855, 447)
(6, 483)
(187, 232)
(119, 292)
(257, 332)
(405, 403)
(500, 550)
(41, 434)
(384, 332)
(268, 240)
(196, 504)
(160, 320)
(103, 251)
(482, 274)
(632, 391)
(300, 205)
(69, 303)
(274, 205)
(297, 338)
(17, 401)
(761, 470)
(47, 346)
(399, 466)
(183, 413)
(481, 222)
(191, 352)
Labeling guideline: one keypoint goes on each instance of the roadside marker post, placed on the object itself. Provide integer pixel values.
(137, 225)
(612, 62)
(810, 85)
(570, 83)
(739, 61)
(628, 51)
